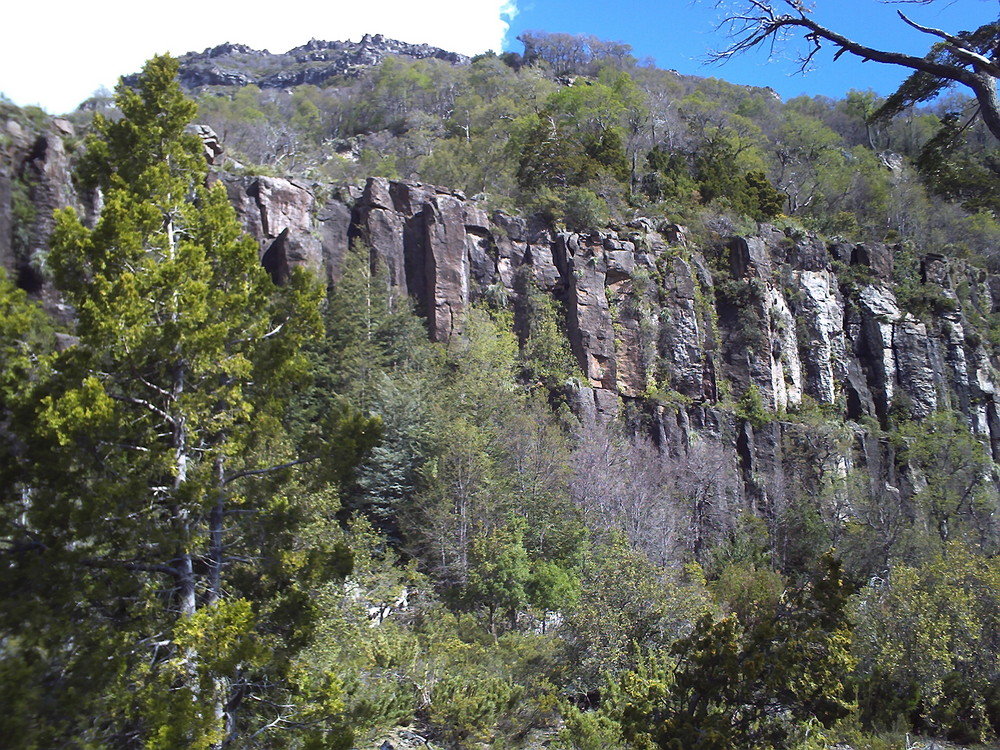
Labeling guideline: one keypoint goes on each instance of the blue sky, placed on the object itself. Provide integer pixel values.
(679, 33)
(79, 47)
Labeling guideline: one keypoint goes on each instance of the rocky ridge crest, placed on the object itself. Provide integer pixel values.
(312, 63)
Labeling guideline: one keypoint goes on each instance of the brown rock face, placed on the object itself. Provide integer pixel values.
(278, 213)
(447, 266)
(589, 322)
(430, 242)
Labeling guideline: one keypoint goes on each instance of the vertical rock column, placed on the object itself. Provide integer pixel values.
(879, 314)
(382, 228)
(589, 323)
(447, 268)
(821, 312)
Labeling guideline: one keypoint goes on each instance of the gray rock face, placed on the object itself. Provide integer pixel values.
(35, 180)
(447, 266)
(821, 327)
(589, 322)
(313, 63)
(651, 323)
(913, 351)
(684, 335)
(873, 343)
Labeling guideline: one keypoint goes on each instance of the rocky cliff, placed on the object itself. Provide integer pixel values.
(315, 62)
(675, 336)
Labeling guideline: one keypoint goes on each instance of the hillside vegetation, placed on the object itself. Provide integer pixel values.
(667, 420)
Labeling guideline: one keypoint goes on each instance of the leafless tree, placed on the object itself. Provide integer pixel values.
(968, 58)
(673, 507)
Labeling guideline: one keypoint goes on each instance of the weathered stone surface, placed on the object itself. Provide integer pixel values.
(876, 256)
(482, 265)
(476, 219)
(447, 267)
(807, 254)
(620, 262)
(606, 403)
(334, 220)
(290, 250)
(820, 325)
(934, 270)
(384, 232)
(786, 369)
(315, 62)
(953, 377)
(633, 328)
(857, 396)
(879, 314)
(245, 205)
(278, 213)
(993, 285)
(589, 322)
(284, 205)
(209, 140)
(543, 266)
(45, 170)
(749, 257)
(682, 344)
(913, 356)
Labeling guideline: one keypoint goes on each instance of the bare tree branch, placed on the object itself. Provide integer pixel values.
(959, 47)
(267, 470)
(966, 58)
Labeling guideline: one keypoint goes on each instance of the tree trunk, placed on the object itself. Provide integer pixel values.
(989, 103)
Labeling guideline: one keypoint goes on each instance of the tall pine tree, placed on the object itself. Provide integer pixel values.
(155, 579)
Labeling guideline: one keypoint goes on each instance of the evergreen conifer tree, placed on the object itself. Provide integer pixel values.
(154, 577)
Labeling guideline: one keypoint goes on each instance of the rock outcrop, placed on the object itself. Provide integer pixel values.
(35, 180)
(315, 62)
(672, 334)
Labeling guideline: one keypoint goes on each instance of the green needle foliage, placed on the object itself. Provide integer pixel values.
(748, 685)
(143, 607)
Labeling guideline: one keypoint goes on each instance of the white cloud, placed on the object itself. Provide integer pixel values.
(58, 60)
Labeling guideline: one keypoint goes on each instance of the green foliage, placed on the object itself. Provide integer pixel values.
(571, 153)
(751, 408)
(544, 347)
(587, 730)
(25, 337)
(761, 199)
(956, 494)
(670, 178)
(160, 535)
(499, 572)
(912, 294)
(24, 216)
(627, 607)
(552, 587)
(708, 176)
(737, 686)
(926, 645)
(953, 173)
